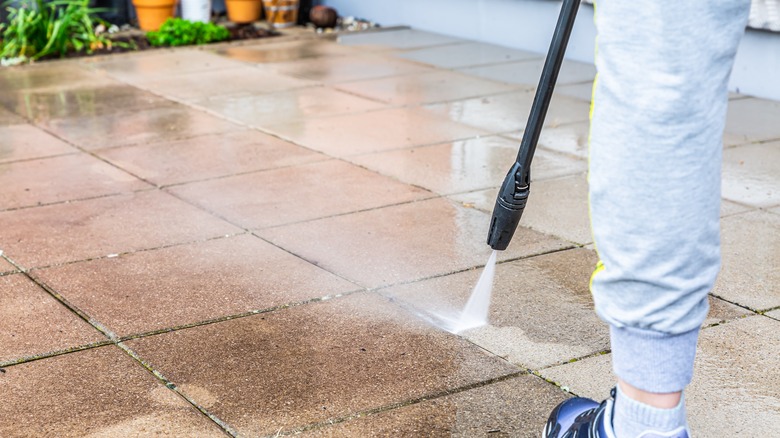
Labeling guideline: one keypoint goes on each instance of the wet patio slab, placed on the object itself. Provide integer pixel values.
(467, 54)
(33, 323)
(68, 177)
(403, 243)
(276, 372)
(95, 393)
(185, 284)
(24, 142)
(297, 194)
(517, 407)
(55, 234)
(207, 156)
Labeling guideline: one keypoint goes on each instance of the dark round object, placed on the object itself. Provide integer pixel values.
(323, 16)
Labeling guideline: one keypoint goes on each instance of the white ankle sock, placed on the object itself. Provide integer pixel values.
(630, 418)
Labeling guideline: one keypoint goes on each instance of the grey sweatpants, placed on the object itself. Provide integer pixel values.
(654, 175)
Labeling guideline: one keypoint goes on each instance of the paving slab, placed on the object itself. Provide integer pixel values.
(33, 323)
(731, 387)
(402, 39)
(774, 314)
(236, 81)
(750, 246)
(571, 139)
(424, 88)
(751, 174)
(9, 118)
(6, 267)
(171, 287)
(361, 66)
(541, 309)
(168, 122)
(67, 177)
(155, 63)
(23, 142)
(208, 156)
(58, 76)
(403, 243)
(103, 98)
(517, 407)
(528, 72)
(345, 135)
(752, 120)
(271, 52)
(95, 393)
(466, 54)
(312, 363)
(297, 193)
(273, 109)
(80, 230)
(582, 91)
(464, 166)
(508, 112)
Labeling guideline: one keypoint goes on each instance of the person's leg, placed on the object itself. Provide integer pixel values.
(654, 177)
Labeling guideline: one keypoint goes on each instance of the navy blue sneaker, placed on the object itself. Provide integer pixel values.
(584, 418)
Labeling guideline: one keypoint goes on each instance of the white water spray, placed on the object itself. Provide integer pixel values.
(475, 314)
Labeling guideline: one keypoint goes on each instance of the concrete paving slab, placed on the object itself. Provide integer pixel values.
(731, 387)
(541, 309)
(207, 156)
(343, 136)
(728, 208)
(42, 105)
(528, 72)
(751, 174)
(333, 70)
(309, 364)
(464, 166)
(43, 77)
(774, 314)
(466, 54)
(402, 243)
(404, 39)
(68, 177)
(155, 63)
(517, 407)
(297, 193)
(582, 91)
(560, 207)
(750, 246)
(169, 122)
(752, 120)
(268, 110)
(265, 53)
(24, 142)
(234, 81)
(34, 323)
(6, 267)
(98, 392)
(424, 88)
(569, 139)
(9, 118)
(509, 112)
(61, 233)
(171, 287)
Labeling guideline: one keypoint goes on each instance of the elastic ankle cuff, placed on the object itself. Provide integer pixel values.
(652, 361)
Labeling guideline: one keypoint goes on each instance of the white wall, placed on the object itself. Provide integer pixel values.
(528, 25)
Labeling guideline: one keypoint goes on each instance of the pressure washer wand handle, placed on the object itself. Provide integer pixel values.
(514, 192)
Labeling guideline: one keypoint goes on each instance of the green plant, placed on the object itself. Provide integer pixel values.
(37, 29)
(180, 32)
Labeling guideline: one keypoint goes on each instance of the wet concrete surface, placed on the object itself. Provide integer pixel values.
(238, 240)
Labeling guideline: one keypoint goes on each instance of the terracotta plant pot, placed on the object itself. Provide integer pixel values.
(153, 13)
(244, 11)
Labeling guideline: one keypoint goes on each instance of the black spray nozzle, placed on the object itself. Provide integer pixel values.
(509, 207)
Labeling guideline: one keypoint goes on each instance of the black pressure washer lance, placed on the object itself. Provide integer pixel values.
(514, 192)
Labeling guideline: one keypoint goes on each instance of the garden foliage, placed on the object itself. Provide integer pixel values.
(180, 32)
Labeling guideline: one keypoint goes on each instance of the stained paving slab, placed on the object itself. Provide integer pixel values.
(246, 239)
